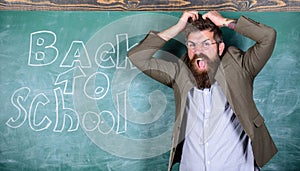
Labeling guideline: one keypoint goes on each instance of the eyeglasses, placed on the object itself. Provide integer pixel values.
(203, 45)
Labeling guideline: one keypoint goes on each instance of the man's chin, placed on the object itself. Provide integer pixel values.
(202, 70)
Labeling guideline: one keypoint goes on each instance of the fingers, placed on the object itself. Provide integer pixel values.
(215, 17)
(211, 14)
(194, 15)
(190, 14)
(204, 16)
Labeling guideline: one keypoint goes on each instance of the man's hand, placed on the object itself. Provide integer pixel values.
(185, 17)
(179, 26)
(217, 19)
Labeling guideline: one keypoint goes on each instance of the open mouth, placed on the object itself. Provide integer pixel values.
(201, 63)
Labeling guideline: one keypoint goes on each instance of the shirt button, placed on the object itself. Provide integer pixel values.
(208, 162)
(206, 92)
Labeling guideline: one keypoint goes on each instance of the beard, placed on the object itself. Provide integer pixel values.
(204, 78)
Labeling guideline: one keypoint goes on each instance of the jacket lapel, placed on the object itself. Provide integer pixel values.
(221, 80)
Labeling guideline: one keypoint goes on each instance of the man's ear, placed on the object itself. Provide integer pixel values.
(221, 48)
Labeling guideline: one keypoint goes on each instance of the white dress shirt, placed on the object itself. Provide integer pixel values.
(215, 140)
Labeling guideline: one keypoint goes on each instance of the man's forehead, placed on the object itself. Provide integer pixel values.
(200, 36)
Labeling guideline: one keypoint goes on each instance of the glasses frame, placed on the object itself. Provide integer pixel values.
(203, 45)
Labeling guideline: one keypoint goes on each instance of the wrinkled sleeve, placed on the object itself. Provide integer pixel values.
(265, 37)
(142, 57)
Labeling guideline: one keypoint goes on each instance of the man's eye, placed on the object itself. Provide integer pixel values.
(206, 44)
(192, 45)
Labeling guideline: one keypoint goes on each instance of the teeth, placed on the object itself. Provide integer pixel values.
(198, 60)
(201, 63)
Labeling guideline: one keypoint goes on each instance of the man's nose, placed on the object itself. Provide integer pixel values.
(198, 49)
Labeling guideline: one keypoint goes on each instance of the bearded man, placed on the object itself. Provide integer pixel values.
(217, 125)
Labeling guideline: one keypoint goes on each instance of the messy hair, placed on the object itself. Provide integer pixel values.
(201, 25)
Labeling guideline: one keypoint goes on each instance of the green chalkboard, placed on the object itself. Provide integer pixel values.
(71, 100)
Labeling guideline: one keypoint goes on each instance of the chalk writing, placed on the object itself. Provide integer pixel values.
(92, 87)
(42, 48)
(19, 97)
(43, 52)
(67, 113)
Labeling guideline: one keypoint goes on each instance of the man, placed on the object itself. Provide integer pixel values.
(218, 126)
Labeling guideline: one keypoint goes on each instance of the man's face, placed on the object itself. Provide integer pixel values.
(204, 56)
(202, 42)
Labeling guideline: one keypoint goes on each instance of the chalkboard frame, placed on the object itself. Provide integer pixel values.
(155, 5)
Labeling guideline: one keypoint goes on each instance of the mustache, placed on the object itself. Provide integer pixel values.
(200, 56)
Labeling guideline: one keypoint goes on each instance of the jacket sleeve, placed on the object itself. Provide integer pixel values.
(256, 56)
(142, 57)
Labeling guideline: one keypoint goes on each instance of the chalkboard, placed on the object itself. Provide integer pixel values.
(71, 100)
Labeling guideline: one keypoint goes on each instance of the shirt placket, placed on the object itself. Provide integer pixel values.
(207, 112)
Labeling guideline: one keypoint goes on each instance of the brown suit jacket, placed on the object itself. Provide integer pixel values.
(235, 75)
